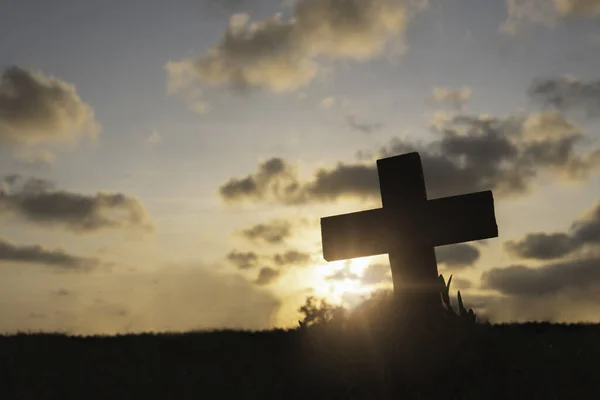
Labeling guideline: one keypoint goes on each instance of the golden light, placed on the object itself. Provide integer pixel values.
(335, 290)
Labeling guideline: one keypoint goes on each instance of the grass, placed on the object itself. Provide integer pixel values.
(535, 360)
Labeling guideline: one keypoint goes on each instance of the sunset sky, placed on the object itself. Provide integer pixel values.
(164, 165)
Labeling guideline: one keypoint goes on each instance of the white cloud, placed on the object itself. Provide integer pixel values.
(327, 102)
(456, 98)
(546, 12)
(284, 55)
(34, 157)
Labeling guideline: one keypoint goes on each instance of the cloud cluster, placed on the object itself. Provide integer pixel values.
(272, 264)
(242, 260)
(565, 290)
(366, 128)
(292, 257)
(273, 232)
(545, 246)
(457, 256)
(473, 153)
(456, 98)
(267, 276)
(519, 280)
(38, 202)
(568, 93)
(546, 12)
(39, 255)
(36, 108)
(578, 8)
(282, 55)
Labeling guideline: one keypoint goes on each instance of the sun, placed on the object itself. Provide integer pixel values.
(334, 290)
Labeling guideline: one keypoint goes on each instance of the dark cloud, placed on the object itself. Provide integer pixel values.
(266, 276)
(545, 246)
(243, 260)
(39, 255)
(519, 280)
(37, 108)
(284, 187)
(36, 201)
(274, 176)
(457, 255)
(541, 246)
(61, 292)
(362, 126)
(474, 153)
(292, 257)
(568, 94)
(460, 283)
(274, 232)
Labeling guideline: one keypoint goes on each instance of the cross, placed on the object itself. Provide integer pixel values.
(408, 227)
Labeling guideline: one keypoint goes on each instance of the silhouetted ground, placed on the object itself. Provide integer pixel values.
(530, 361)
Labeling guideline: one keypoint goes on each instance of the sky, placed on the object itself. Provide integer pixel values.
(164, 166)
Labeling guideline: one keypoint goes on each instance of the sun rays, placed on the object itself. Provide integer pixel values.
(347, 281)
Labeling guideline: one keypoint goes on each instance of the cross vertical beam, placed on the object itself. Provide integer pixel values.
(414, 265)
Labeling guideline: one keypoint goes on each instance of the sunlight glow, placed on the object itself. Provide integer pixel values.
(334, 290)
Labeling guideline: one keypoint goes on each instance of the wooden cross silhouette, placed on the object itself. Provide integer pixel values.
(408, 227)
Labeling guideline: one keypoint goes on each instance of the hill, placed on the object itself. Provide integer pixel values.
(533, 361)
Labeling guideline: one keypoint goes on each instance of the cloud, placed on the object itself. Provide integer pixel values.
(457, 98)
(375, 274)
(243, 260)
(521, 12)
(154, 138)
(519, 280)
(270, 176)
(284, 55)
(38, 255)
(546, 12)
(362, 126)
(37, 201)
(568, 93)
(34, 157)
(457, 255)
(460, 283)
(578, 8)
(292, 257)
(273, 232)
(266, 276)
(36, 108)
(545, 246)
(342, 274)
(541, 246)
(327, 102)
(473, 153)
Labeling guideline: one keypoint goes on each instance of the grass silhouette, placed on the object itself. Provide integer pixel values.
(365, 354)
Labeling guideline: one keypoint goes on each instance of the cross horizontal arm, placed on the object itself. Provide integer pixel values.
(438, 222)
